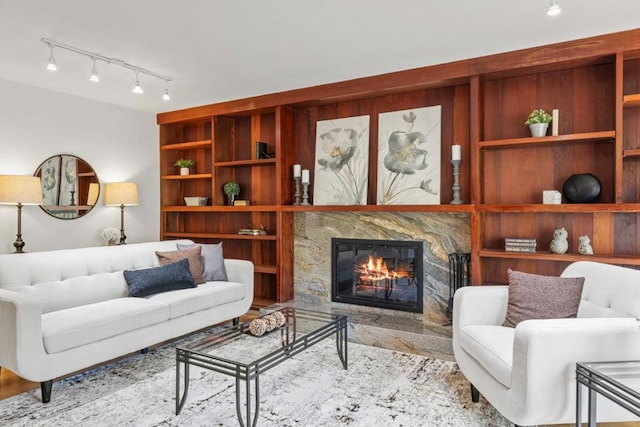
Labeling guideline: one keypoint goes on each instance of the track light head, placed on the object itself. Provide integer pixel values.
(554, 8)
(94, 73)
(137, 88)
(51, 64)
(165, 96)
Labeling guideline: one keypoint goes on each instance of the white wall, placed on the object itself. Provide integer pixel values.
(120, 144)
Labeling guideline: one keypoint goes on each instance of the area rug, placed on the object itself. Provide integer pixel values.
(380, 388)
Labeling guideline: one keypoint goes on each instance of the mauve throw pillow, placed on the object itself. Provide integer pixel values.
(194, 257)
(149, 281)
(213, 260)
(532, 296)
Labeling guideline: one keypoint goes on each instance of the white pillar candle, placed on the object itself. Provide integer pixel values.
(296, 171)
(305, 176)
(456, 153)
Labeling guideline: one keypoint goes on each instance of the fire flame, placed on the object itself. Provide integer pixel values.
(376, 270)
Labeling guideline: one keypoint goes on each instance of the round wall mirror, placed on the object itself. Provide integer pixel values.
(70, 186)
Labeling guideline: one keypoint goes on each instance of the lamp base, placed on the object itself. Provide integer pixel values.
(18, 244)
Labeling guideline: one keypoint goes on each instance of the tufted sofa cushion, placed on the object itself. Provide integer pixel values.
(619, 298)
(73, 277)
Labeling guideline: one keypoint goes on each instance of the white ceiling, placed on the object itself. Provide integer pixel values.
(218, 50)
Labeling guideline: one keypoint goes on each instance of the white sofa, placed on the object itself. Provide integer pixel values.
(64, 311)
(528, 373)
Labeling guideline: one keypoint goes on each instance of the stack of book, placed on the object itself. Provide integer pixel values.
(252, 232)
(517, 244)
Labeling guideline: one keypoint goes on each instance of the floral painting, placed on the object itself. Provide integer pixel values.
(68, 180)
(50, 179)
(342, 161)
(409, 157)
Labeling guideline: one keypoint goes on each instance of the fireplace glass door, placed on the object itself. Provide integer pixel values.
(377, 273)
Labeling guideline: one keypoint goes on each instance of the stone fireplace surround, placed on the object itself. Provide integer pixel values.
(428, 333)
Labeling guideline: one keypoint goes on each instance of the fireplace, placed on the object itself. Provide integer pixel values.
(377, 273)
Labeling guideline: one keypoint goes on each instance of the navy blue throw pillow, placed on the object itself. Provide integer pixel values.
(169, 277)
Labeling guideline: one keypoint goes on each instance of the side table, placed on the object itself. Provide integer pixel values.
(617, 381)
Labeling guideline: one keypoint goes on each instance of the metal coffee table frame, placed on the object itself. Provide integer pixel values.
(292, 344)
(611, 386)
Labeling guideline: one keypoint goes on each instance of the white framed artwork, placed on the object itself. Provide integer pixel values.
(342, 161)
(409, 157)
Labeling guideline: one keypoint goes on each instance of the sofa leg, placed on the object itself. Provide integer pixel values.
(235, 321)
(144, 350)
(45, 388)
(475, 394)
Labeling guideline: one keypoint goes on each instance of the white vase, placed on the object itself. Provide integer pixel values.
(184, 171)
(538, 129)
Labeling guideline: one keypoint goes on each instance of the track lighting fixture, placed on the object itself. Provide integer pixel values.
(51, 65)
(137, 88)
(94, 73)
(554, 8)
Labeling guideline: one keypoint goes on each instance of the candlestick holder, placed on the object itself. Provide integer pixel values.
(73, 198)
(297, 195)
(456, 182)
(305, 194)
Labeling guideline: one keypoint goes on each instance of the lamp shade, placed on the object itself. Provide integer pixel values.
(94, 192)
(23, 189)
(121, 194)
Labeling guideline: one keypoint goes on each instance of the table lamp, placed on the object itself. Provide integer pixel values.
(121, 194)
(20, 190)
(94, 193)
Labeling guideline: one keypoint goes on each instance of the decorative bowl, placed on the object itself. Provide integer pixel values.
(196, 201)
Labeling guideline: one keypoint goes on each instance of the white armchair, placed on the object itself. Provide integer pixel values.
(528, 373)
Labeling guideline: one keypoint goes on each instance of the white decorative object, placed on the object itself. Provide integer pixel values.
(456, 153)
(184, 171)
(342, 162)
(110, 235)
(270, 321)
(584, 245)
(296, 171)
(559, 244)
(538, 129)
(196, 201)
(555, 116)
(551, 197)
(409, 157)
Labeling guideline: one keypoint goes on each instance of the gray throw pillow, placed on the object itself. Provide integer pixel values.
(532, 296)
(149, 281)
(213, 261)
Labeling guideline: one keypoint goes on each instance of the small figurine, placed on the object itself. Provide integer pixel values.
(559, 244)
(584, 245)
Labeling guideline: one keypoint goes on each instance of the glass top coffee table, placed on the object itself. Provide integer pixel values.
(617, 381)
(235, 352)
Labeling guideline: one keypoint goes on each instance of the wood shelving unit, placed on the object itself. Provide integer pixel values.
(594, 82)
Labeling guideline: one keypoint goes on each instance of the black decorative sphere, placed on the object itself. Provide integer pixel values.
(582, 188)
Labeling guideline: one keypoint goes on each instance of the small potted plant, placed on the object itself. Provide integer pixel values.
(538, 122)
(184, 165)
(231, 189)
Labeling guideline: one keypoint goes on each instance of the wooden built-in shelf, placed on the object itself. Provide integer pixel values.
(220, 208)
(221, 236)
(604, 136)
(568, 257)
(206, 143)
(243, 163)
(631, 100)
(266, 269)
(190, 176)
(634, 152)
(562, 208)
